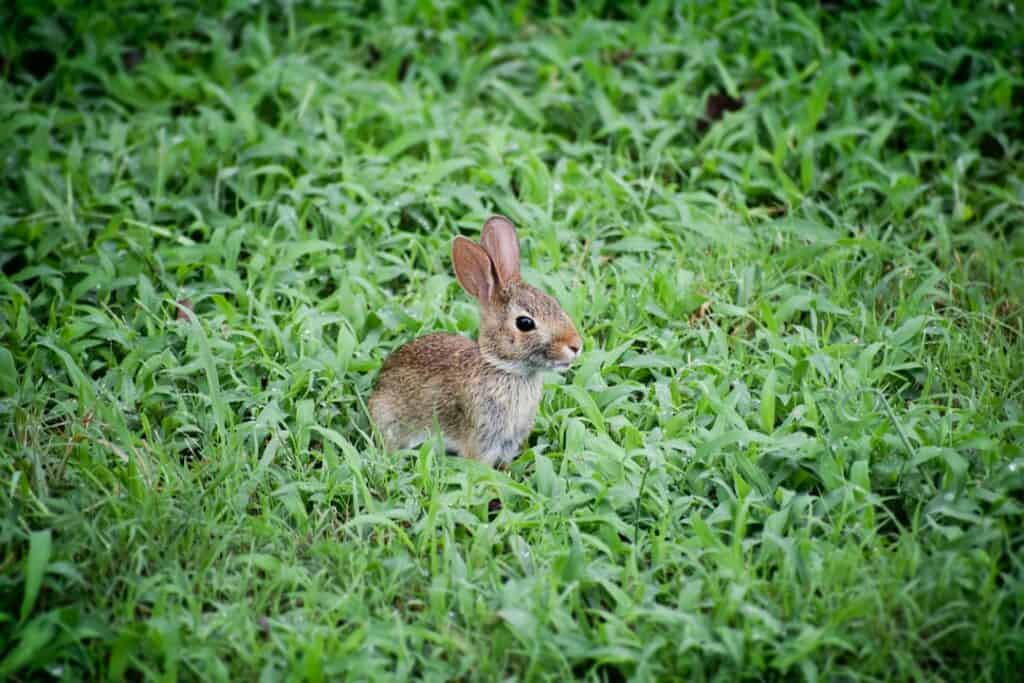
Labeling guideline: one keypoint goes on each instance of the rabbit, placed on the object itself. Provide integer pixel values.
(483, 395)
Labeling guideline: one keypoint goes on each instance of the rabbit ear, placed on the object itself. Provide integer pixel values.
(474, 269)
(499, 239)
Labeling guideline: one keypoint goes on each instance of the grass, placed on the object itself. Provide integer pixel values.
(790, 235)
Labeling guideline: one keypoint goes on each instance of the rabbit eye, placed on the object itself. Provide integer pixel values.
(525, 323)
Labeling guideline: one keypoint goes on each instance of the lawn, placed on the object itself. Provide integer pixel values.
(791, 236)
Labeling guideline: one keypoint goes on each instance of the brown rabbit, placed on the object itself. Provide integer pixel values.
(484, 396)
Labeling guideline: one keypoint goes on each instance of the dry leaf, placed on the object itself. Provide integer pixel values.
(701, 312)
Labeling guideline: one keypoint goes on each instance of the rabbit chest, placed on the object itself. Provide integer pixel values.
(506, 415)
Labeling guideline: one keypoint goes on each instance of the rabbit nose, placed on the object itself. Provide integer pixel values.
(574, 343)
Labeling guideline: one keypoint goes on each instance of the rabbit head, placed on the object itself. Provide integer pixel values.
(522, 329)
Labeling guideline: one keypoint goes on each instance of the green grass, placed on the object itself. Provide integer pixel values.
(793, 448)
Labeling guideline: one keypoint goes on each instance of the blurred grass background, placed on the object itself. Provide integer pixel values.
(790, 234)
